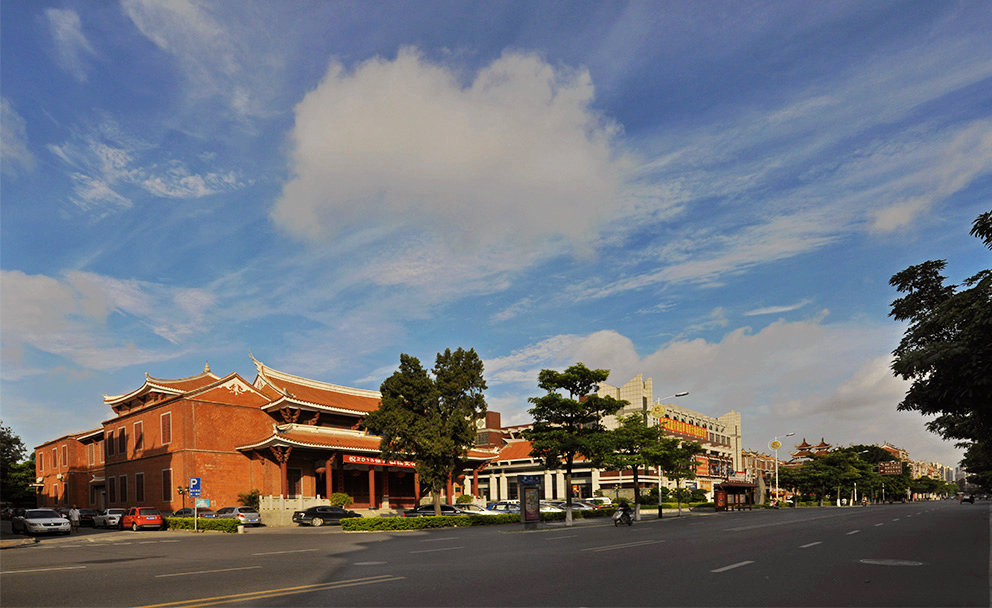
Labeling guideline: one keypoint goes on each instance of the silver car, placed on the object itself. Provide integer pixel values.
(108, 518)
(40, 521)
(246, 515)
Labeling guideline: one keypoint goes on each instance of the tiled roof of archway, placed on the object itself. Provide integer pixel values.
(277, 385)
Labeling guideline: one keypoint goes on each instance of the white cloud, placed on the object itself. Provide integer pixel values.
(777, 310)
(71, 45)
(515, 161)
(13, 141)
(71, 317)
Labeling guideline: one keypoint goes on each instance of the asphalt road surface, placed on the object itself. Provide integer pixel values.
(916, 554)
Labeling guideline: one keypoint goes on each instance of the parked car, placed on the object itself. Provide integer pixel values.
(577, 505)
(600, 502)
(428, 510)
(322, 515)
(246, 515)
(968, 498)
(86, 516)
(39, 521)
(505, 506)
(476, 510)
(109, 518)
(200, 513)
(549, 507)
(142, 517)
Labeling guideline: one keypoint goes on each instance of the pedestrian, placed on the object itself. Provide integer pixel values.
(864, 501)
(74, 519)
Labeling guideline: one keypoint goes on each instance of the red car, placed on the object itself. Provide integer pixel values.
(142, 517)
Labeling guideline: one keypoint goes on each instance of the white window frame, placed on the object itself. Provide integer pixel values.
(162, 427)
(139, 431)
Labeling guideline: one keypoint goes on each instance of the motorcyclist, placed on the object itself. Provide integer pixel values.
(623, 513)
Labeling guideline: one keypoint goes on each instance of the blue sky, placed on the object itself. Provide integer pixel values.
(710, 194)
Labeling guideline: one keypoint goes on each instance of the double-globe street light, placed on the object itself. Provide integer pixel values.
(775, 445)
(659, 412)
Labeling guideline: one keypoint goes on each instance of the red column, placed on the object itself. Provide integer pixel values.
(450, 490)
(416, 487)
(372, 504)
(329, 476)
(475, 482)
(284, 473)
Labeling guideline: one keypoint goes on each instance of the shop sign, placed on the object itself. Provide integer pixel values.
(890, 467)
(371, 460)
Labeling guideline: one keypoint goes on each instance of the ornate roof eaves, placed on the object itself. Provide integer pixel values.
(268, 375)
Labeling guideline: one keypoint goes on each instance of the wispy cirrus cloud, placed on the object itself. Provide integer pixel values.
(777, 310)
(72, 49)
(110, 168)
(14, 141)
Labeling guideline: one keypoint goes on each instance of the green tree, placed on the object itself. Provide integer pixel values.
(431, 418)
(250, 499)
(679, 463)
(947, 349)
(11, 453)
(566, 427)
(633, 445)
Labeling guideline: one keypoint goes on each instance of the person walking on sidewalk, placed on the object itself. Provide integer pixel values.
(74, 519)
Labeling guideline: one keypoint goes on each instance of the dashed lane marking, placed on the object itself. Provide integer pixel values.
(812, 544)
(623, 545)
(877, 525)
(561, 537)
(43, 570)
(854, 532)
(206, 571)
(732, 566)
(284, 552)
(436, 550)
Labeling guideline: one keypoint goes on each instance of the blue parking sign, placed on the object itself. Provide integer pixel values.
(194, 486)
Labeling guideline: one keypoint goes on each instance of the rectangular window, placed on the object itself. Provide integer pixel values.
(167, 485)
(55, 459)
(41, 461)
(139, 436)
(65, 455)
(110, 443)
(99, 450)
(167, 428)
(139, 487)
(90, 456)
(111, 490)
(123, 479)
(121, 441)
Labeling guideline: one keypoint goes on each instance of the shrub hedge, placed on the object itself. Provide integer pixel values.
(225, 524)
(367, 524)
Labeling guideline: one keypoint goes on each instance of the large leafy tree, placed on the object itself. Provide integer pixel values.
(11, 454)
(679, 463)
(430, 418)
(947, 348)
(632, 445)
(568, 420)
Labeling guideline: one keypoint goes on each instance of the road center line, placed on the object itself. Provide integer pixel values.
(206, 571)
(853, 532)
(732, 566)
(434, 540)
(283, 552)
(44, 570)
(256, 595)
(436, 550)
(813, 544)
(624, 545)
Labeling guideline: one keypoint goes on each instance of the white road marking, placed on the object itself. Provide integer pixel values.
(896, 519)
(624, 545)
(44, 569)
(282, 552)
(853, 532)
(877, 525)
(890, 562)
(206, 571)
(732, 566)
(435, 550)
(561, 537)
(434, 540)
(369, 563)
(813, 544)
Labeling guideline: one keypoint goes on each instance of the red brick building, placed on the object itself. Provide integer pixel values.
(283, 435)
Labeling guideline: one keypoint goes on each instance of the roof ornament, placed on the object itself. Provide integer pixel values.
(206, 368)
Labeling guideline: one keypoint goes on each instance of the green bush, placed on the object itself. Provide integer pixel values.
(464, 499)
(250, 499)
(186, 523)
(366, 524)
(340, 499)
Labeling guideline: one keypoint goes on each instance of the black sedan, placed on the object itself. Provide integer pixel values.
(428, 510)
(322, 515)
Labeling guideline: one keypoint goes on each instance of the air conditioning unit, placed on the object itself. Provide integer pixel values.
(39, 479)
(59, 476)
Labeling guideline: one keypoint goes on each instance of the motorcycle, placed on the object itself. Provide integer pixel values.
(622, 516)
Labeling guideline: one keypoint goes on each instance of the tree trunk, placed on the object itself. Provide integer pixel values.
(637, 498)
(568, 493)
(678, 493)
(436, 496)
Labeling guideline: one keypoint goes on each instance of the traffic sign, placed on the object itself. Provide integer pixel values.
(202, 503)
(194, 487)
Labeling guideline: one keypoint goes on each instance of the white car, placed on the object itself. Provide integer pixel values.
(475, 509)
(246, 515)
(109, 518)
(40, 521)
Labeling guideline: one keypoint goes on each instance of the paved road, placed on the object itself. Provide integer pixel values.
(922, 554)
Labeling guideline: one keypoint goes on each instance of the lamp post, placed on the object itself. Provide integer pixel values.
(182, 492)
(775, 445)
(658, 411)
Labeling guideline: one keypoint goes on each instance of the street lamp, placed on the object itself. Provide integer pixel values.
(658, 411)
(775, 445)
(182, 492)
